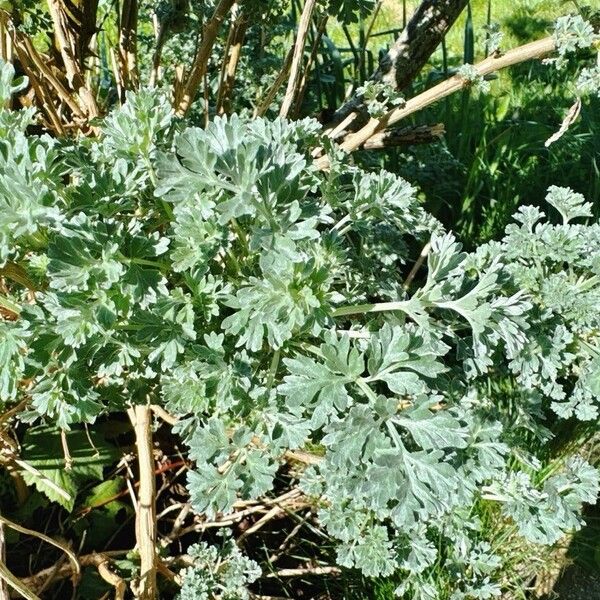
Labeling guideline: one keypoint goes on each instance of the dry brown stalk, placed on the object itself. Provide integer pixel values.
(65, 570)
(269, 516)
(72, 46)
(305, 571)
(159, 44)
(20, 585)
(287, 541)
(487, 66)
(5, 42)
(320, 30)
(406, 136)
(234, 50)
(145, 526)
(27, 52)
(263, 105)
(198, 70)
(3, 584)
(127, 53)
(294, 78)
(291, 501)
(418, 263)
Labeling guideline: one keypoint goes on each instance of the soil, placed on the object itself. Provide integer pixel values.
(577, 584)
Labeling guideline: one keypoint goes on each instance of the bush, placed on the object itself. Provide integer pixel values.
(219, 274)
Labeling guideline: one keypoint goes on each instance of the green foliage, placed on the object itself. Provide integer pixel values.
(223, 571)
(572, 32)
(379, 97)
(8, 84)
(44, 451)
(216, 271)
(544, 516)
(348, 11)
(558, 267)
(473, 77)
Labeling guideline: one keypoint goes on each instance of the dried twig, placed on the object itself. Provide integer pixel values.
(3, 582)
(569, 119)
(75, 566)
(293, 500)
(320, 30)
(141, 419)
(196, 75)
(269, 516)
(286, 542)
(26, 50)
(6, 577)
(72, 40)
(127, 53)
(39, 579)
(159, 44)
(263, 105)
(489, 65)
(420, 260)
(294, 78)
(235, 40)
(159, 411)
(406, 136)
(102, 563)
(303, 572)
(66, 451)
(5, 40)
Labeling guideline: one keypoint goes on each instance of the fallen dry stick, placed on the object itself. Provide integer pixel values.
(445, 88)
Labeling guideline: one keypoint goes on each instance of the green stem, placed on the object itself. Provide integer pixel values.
(148, 263)
(273, 368)
(367, 391)
(9, 305)
(166, 206)
(361, 309)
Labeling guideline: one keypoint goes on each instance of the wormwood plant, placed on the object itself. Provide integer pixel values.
(220, 274)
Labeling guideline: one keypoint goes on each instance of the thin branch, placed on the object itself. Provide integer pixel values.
(41, 92)
(3, 582)
(145, 526)
(269, 516)
(196, 75)
(306, 571)
(410, 52)
(294, 79)
(37, 581)
(71, 42)
(264, 104)
(311, 59)
(7, 577)
(161, 37)
(418, 263)
(127, 52)
(167, 417)
(445, 88)
(235, 41)
(102, 563)
(232, 27)
(5, 50)
(72, 558)
(287, 541)
(23, 43)
(374, 16)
